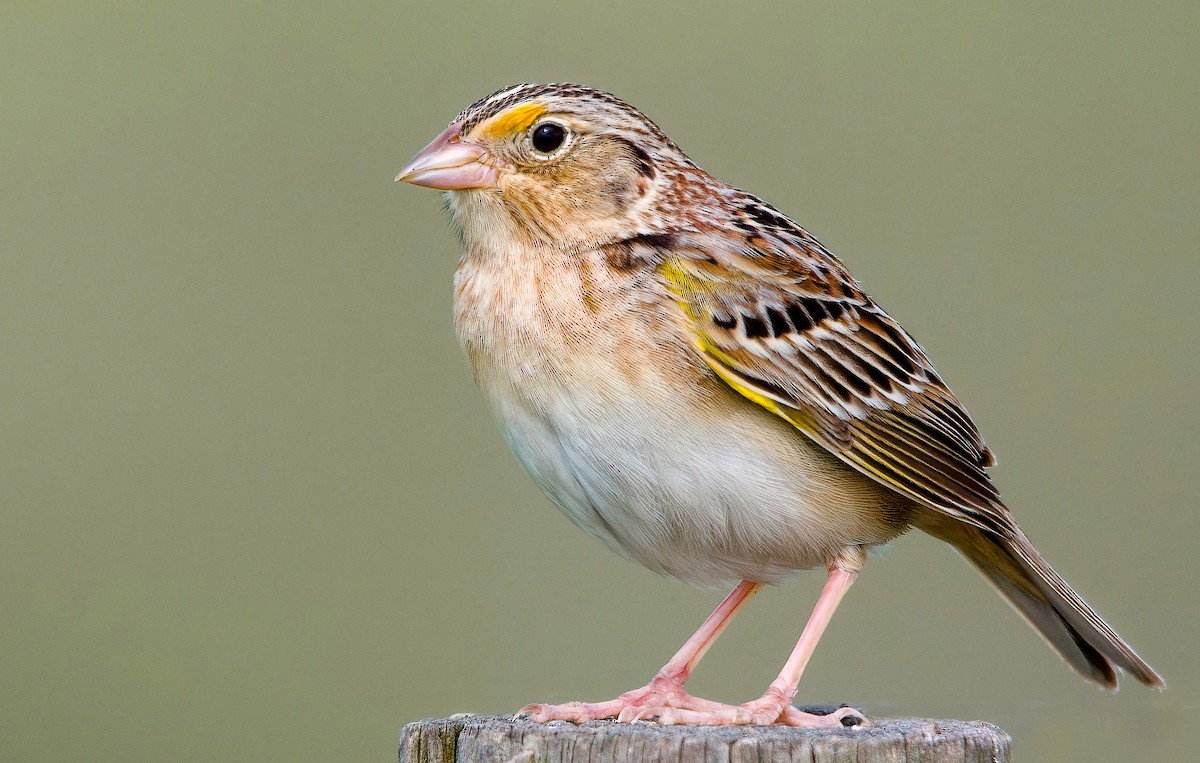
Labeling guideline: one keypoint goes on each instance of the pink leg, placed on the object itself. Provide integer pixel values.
(775, 705)
(679, 667)
(666, 689)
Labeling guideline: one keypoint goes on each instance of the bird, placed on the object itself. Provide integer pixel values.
(693, 379)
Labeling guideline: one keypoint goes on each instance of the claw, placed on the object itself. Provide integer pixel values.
(843, 717)
(628, 714)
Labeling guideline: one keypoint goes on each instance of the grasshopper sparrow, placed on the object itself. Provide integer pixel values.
(694, 380)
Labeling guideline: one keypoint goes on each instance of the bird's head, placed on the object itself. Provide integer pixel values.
(559, 164)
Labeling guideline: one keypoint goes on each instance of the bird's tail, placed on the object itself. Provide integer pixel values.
(1043, 598)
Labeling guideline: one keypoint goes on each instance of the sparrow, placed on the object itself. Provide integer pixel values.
(693, 379)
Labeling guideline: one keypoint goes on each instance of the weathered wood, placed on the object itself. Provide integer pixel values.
(476, 739)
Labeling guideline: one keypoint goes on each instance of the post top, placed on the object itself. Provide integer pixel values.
(467, 738)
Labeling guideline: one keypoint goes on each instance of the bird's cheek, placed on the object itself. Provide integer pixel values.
(623, 192)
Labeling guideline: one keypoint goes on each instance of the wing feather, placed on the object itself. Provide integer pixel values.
(783, 324)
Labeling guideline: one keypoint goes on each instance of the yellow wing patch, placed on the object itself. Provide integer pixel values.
(722, 370)
(688, 288)
(516, 119)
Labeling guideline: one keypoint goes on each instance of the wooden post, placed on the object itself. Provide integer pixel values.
(479, 739)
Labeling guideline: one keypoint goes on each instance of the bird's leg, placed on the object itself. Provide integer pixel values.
(775, 705)
(665, 690)
(679, 667)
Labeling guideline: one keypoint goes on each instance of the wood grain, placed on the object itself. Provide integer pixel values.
(475, 739)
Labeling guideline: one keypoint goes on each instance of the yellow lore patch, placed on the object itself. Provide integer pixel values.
(516, 119)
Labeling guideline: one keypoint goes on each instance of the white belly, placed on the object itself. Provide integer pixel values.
(704, 502)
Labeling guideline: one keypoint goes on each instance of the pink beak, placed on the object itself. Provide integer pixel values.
(450, 164)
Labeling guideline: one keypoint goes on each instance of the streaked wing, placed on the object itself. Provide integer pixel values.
(784, 324)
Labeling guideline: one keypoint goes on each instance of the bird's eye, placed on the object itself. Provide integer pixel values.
(547, 137)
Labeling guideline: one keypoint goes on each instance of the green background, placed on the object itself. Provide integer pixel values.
(254, 509)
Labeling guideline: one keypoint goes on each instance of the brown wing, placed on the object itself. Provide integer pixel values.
(790, 330)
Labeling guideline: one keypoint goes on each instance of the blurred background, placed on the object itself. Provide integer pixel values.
(254, 509)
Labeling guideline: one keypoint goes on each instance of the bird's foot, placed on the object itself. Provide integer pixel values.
(760, 712)
(669, 704)
(639, 704)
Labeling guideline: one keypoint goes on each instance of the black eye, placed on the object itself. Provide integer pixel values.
(548, 136)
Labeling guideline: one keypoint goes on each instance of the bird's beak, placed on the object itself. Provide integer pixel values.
(450, 164)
